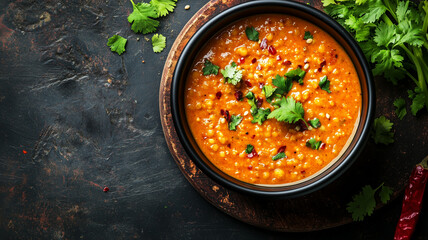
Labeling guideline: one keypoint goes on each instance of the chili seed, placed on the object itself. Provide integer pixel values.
(239, 95)
(272, 50)
(278, 58)
(242, 60)
(248, 83)
(254, 60)
(281, 149)
(218, 95)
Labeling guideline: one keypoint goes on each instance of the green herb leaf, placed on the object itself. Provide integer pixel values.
(285, 84)
(418, 100)
(252, 34)
(385, 194)
(249, 149)
(231, 74)
(381, 132)
(117, 44)
(252, 101)
(163, 7)
(373, 10)
(260, 116)
(158, 43)
(279, 156)
(308, 35)
(210, 68)
(314, 144)
(401, 111)
(142, 18)
(235, 120)
(268, 90)
(295, 75)
(384, 34)
(289, 111)
(362, 204)
(325, 84)
(315, 123)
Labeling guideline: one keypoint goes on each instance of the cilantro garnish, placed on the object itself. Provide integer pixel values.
(381, 132)
(249, 149)
(210, 68)
(117, 44)
(260, 116)
(364, 202)
(401, 111)
(163, 7)
(285, 84)
(252, 34)
(142, 18)
(231, 74)
(325, 84)
(268, 90)
(252, 101)
(288, 111)
(308, 35)
(158, 43)
(392, 35)
(314, 144)
(279, 156)
(296, 75)
(315, 123)
(235, 120)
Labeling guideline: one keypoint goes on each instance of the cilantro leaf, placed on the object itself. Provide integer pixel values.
(325, 84)
(249, 149)
(231, 74)
(385, 194)
(325, 3)
(401, 111)
(279, 156)
(142, 18)
(381, 132)
(296, 75)
(373, 10)
(314, 144)
(163, 7)
(336, 10)
(235, 120)
(158, 43)
(315, 123)
(362, 204)
(252, 34)
(210, 68)
(285, 84)
(268, 90)
(384, 34)
(117, 44)
(308, 35)
(289, 111)
(260, 116)
(252, 101)
(418, 100)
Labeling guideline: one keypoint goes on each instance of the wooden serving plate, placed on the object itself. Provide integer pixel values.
(325, 208)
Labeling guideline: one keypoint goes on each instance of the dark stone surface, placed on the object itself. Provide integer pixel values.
(82, 133)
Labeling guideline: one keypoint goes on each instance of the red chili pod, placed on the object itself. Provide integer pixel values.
(241, 60)
(218, 95)
(272, 50)
(238, 95)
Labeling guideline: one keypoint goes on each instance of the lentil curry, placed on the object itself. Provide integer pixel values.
(272, 99)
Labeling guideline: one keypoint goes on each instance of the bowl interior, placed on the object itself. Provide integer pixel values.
(309, 14)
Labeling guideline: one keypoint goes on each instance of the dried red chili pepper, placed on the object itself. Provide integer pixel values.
(412, 202)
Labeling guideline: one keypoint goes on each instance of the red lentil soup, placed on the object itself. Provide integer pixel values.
(234, 123)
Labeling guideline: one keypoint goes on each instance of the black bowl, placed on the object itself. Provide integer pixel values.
(309, 14)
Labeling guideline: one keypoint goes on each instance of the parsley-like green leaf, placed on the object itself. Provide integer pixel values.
(382, 131)
(315, 123)
(401, 111)
(362, 204)
(260, 116)
(295, 75)
(289, 111)
(235, 120)
(231, 74)
(252, 34)
(158, 43)
(163, 7)
(285, 84)
(373, 10)
(252, 101)
(418, 100)
(308, 35)
(249, 149)
(210, 68)
(384, 34)
(268, 90)
(279, 156)
(142, 18)
(117, 44)
(325, 84)
(385, 194)
(314, 144)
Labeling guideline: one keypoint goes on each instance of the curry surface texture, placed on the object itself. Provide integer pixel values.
(209, 97)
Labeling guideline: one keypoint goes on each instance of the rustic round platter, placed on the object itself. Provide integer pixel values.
(325, 208)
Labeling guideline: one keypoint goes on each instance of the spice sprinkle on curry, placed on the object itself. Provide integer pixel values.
(272, 99)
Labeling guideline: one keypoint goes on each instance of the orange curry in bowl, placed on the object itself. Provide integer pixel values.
(272, 99)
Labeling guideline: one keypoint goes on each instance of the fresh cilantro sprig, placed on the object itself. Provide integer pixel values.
(232, 74)
(391, 33)
(252, 34)
(314, 144)
(308, 35)
(259, 114)
(315, 123)
(143, 18)
(401, 111)
(163, 7)
(325, 84)
(381, 132)
(158, 43)
(364, 203)
(288, 111)
(279, 156)
(296, 75)
(117, 44)
(249, 148)
(235, 120)
(210, 68)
